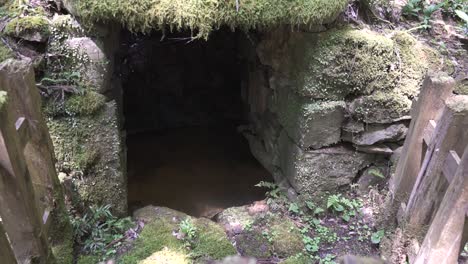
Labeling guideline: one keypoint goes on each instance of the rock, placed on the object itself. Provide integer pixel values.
(67, 24)
(381, 107)
(236, 260)
(353, 126)
(375, 134)
(316, 171)
(97, 69)
(166, 256)
(375, 149)
(336, 63)
(260, 234)
(30, 28)
(151, 213)
(372, 176)
(310, 124)
(348, 259)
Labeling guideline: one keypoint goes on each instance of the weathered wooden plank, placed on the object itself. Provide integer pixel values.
(17, 79)
(443, 240)
(451, 134)
(436, 88)
(429, 132)
(451, 165)
(18, 204)
(6, 253)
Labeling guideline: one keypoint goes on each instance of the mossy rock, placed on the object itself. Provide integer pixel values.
(297, 259)
(204, 16)
(5, 52)
(166, 256)
(211, 242)
(30, 28)
(85, 259)
(381, 107)
(287, 239)
(91, 146)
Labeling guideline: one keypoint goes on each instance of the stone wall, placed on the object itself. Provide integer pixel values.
(327, 106)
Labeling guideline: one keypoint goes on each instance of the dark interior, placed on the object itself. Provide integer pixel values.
(182, 105)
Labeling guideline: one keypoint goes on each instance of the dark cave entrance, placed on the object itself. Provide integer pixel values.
(182, 104)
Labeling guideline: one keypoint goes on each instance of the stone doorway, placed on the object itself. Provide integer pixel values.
(182, 104)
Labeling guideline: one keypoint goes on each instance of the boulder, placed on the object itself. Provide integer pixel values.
(379, 149)
(375, 134)
(258, 233)
(316, 171)
(381, 107)
(311, 124)
(97, 68)
(30, 28)
(372, 176)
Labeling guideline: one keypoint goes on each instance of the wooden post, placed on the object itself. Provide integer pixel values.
(436, 88)
(6, 254)
(18, 209)
(17, 79)
(442, 242)
(450, 137)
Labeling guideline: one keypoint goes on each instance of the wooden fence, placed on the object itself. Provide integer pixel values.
(29, 186)
(430, 185)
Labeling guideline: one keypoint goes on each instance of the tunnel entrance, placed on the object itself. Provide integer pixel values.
(182, 105)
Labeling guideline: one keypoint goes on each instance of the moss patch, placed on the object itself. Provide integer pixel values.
(204, 16)
(5, 52)
(88, 260)
(211, 243)
(337, 63)
(166, 256)
(287, 239)
(21, 26)
(87, 104)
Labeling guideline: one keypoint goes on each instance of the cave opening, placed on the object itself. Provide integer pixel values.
(182, 107)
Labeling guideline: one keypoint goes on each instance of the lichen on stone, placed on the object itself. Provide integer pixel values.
(3, 98)
(381, 107)
(204, 16)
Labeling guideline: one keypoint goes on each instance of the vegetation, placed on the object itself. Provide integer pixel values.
(99, 233)
(319, 237)
(5, 52)
(24, 25)
(204, 16)
(420, 10)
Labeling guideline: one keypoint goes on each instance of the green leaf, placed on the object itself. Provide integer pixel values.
(377, 236)
(318, 210)
(293, 207)
(376, 173)
(462, 15)
(346, 217)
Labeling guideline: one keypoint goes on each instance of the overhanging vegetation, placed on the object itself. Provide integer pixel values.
(202, 16)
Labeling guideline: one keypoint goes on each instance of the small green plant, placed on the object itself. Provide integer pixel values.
(187, 232)
(312, 245)
(412, 8)
(249, 225)
(376, 173)
(344, 206)
(328, 259)
(294, 208)
(377, 236)
(99, 232)
(427, 14)
(274, 191)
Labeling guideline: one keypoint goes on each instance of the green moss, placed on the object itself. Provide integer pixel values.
(337, 63)
(87, 104)
(382, 107)
(166, 256)
(5, 52)
(287, 239)
(212, 242)
(63, 253)
(204, 16)
(155, 236)
(85, 259)
(297, 259)
(20, 26)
